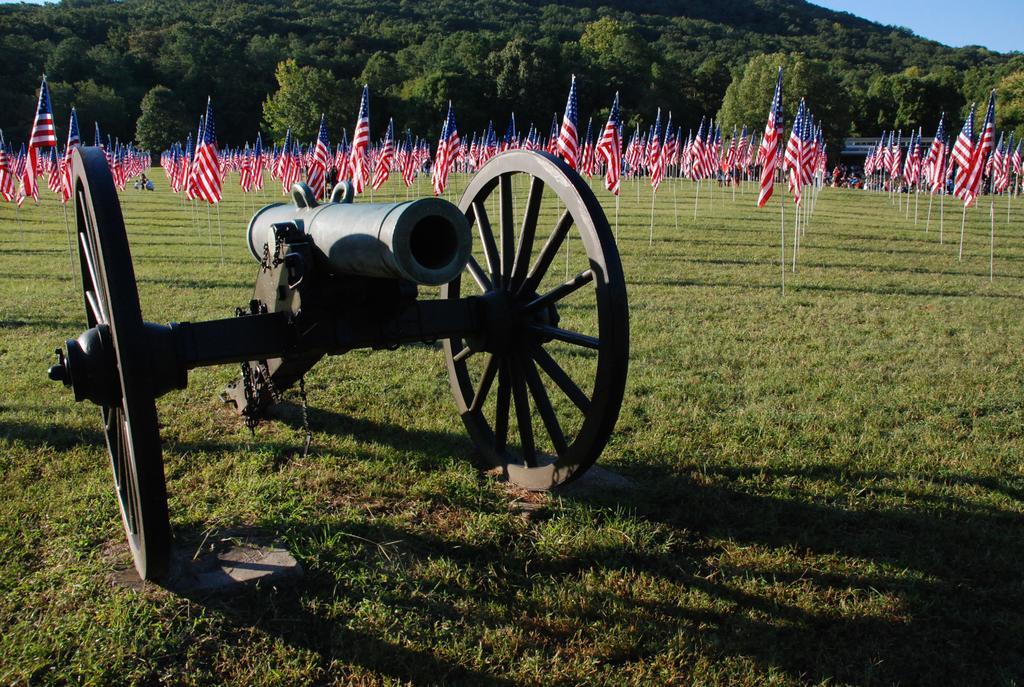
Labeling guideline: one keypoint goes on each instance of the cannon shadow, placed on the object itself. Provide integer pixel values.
(942, 561)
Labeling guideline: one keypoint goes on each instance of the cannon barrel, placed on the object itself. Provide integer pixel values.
(426, 241)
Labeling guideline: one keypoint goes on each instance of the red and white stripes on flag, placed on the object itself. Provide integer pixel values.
(207, 164)
(447, 147)
(382, 170)
(609, 147)
(972, 186)
(359, 163)
(657, 166)
(321, 162)
(568, 137)
(43, 136)
(768, 151)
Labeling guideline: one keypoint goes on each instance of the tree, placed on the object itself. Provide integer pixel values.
(162, 120)
(303, 94)
(749, 96)
(1010, 103)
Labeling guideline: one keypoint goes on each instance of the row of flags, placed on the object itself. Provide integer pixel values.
(654, 153)
(198, 168)
(967, 163)
(804, 157)
(26, 167)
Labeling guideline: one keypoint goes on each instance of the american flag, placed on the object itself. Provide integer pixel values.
(935, 162)
(191, 178)
(182, 170)
(552, 146)
(588, 161)
(1016, 159)
(669, 147)
(685, 155)
(609, 147)
(382, 170)
(408, 160)
(568, 137)
(245, 179)
(909, 166)
(207, 173)
(1001, 166)
(292, 164)
(808, 150)
(654, 151)
(43, 136)
(963, 150)
(257, 163)
(697, 153)
(6, 174)
(358, 162)
(511, 138)
(74, 140)
(54, 175)
(973, 184)
(446, 149)
(794, 151)
(316, 177)
(341, 157)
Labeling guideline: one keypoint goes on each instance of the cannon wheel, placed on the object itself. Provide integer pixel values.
(112, 299)
(513, 276)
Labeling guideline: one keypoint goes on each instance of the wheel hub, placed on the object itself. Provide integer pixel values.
(89, 368)
(507, 322)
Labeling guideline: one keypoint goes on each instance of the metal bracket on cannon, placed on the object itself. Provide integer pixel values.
(339, 275)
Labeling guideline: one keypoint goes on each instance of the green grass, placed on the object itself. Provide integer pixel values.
(828, 486)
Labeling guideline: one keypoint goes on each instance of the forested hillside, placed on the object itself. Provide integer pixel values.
(488, 57)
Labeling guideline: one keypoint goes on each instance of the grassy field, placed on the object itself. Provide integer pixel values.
(825, 487)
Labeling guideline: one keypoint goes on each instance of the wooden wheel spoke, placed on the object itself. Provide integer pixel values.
(527, 233)
(561, 379)
(501, 416)
(92, 294)
(478, 275)
(547, 253)
(543, 403)
(561, 291)
(463, 354)
(508, 239)
(487, 239)
(567, 336)
(486, 380)
(523, 418)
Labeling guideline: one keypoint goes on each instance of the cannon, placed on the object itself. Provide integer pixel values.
(340, 275)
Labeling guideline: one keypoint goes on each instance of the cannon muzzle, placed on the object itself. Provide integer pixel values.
(426, 241)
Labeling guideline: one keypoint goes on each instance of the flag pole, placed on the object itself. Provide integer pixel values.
(796, 232)
(992, 239)
(927, 224)
(963, 219)
(942, 207)
(675, 203)
(209, 224)
(782, 244)
(616, 218)
(220, 233)
(650, 241)
(696, 195)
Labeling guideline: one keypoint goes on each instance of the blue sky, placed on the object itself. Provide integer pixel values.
(995, 24)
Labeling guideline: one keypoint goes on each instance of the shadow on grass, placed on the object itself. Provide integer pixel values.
(951, 576)
(944, 569)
